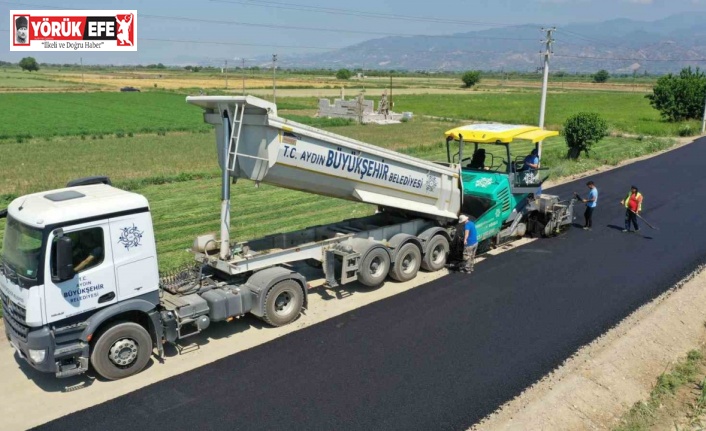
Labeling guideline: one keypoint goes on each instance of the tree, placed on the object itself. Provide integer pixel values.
(29, 63)
(681, 97)
(601, 76)
(471, 78)
(583, 130)
(343, 74)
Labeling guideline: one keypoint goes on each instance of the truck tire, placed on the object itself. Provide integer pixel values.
(407, 263)
(283, 303)
(122, 350)
(374, 267)
(437, 253)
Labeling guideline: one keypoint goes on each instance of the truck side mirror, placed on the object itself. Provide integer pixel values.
(64, 259)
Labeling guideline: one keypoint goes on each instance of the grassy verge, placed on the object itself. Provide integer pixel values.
(679, 395)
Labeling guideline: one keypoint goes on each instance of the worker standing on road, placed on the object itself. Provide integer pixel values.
(591, 201)
(633, 206)
(470, 243)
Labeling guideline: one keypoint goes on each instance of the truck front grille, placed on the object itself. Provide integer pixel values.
(15, 317)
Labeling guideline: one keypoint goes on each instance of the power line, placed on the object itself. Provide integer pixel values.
(210, 42)
(323, 29)
(586, 38)
(291, 27)
(629, 59)
(351, 12)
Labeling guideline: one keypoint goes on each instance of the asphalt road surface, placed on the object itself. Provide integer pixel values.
(444, 355)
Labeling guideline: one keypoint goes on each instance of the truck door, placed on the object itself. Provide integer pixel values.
(93, 285)
(134, 255)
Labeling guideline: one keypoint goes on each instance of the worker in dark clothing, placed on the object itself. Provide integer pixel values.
(633, 206)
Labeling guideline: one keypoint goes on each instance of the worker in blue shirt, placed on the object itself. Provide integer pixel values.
(591, 201)
(531, 162)
(470, 243)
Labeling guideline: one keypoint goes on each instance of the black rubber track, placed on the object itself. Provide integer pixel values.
(446, 354)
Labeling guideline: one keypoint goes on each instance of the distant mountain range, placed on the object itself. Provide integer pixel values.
(619, 46)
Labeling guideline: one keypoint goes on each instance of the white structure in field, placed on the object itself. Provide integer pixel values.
(361, 110)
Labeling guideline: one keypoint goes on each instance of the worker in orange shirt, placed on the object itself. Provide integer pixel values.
(633, 206)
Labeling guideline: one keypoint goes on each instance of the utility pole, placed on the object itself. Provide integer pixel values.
(83, 83)
(274, 79)
(243, 76)
(390, 104)
(545, 76)
(545, 80)
(226, 68)
(703, 121)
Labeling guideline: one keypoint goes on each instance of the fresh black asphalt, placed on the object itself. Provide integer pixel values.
(446, 354)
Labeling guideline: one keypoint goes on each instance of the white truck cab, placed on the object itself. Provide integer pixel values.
(67, 254)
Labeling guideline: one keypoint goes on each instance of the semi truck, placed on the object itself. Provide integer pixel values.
(79, 279)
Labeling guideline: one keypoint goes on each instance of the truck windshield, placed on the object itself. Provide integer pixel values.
(22, 248)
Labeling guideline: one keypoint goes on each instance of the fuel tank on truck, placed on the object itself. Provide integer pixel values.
(266, 148)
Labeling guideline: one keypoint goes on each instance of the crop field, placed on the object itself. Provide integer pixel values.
(625, 112)
(40, 164)
(173, 82)
(18, 81)
(73, 78)
(108, 113)
(95, 113)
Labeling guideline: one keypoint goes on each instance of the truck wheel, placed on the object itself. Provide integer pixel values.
(407, 263)
(437, 253)
(121, 351)
(374, 267)
(283, 303)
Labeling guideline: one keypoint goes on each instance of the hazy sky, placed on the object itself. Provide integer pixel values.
(171, 41)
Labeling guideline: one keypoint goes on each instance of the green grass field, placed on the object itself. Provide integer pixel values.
(95, 113)
(625, 112)
(39, 164)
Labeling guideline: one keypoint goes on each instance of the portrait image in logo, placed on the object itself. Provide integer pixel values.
(22, 30)
(125, 30)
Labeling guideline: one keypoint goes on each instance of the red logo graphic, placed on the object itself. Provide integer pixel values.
(126, 32)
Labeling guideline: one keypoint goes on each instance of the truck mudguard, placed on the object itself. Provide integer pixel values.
(145, 303)
(429, 234)
(260, 282)
(397, 241)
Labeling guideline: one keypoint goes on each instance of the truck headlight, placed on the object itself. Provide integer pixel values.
(37, 356)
